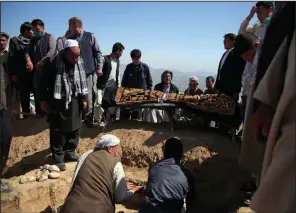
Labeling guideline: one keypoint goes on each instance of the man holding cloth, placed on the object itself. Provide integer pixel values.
(63, 93)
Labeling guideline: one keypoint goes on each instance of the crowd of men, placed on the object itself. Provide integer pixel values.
(73, 83)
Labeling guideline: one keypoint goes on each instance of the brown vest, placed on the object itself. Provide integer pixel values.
(93, 188)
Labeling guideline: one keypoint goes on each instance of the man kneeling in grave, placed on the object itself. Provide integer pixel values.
(99, 180)
(170, 186)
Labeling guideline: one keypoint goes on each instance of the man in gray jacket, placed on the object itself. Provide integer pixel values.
(92, 57)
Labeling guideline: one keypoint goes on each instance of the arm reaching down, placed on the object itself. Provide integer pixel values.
(121, 192)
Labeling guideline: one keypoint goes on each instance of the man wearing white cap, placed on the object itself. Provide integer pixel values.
(193, 87)
(99, 180)
(63, 95)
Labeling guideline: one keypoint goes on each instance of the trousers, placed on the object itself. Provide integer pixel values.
(91, 80)
(63, 143)
(107, 95)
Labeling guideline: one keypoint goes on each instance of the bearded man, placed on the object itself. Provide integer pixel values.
(63, 95)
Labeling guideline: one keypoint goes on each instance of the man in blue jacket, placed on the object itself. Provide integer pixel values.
(136, 75)
(169, 184)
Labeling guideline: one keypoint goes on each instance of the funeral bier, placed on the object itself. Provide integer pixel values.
(215, 103)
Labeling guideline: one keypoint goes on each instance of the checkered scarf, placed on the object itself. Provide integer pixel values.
(63, 85)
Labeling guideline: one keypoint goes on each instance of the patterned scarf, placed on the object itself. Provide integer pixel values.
(24, 41)
(63, 85)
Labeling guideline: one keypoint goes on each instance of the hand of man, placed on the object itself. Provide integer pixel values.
(84, 104)
(44, 106)
(130, 185)
(138, 189)
(99, 72)
(39, 66)
(29, 66)
(252, 12)
(14, 78)
(261, 122)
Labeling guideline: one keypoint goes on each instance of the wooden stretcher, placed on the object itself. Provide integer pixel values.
(215, 103)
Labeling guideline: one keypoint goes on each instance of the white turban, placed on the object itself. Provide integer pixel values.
(107, 140)
(71, 43)
(194, 79)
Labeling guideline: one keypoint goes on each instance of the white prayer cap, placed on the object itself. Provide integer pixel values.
(194, 78)
(71, 43)
(107, 140)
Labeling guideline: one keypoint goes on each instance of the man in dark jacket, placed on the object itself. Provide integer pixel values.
(108, 83)
(210, 81)
(40, 51)
(93, 61)
(5, 109)
(63, 94)
(137, 73)
(17, 65)
(169, 184)
(166, 84)
(230, 70)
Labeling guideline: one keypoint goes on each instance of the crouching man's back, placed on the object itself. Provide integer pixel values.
(93, 188)
(168, 185)
(99, 180)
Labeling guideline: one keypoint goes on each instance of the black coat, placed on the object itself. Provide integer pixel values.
(17, 62)
(210, 91)
(60, 118)
(173, 88)
(197, 92)
(7, 79)
(134, 79)
(107, 67)
(229, 76)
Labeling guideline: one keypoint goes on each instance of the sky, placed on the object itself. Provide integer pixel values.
(183, 36)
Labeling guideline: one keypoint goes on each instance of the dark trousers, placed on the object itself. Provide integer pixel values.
(5, 136)
(24, 93)
(63, 143)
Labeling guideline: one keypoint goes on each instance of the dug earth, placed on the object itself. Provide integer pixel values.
(211, 158)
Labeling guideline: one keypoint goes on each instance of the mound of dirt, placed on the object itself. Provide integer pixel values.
(210, 157)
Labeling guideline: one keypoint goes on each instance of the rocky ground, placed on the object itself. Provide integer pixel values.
(211, 157)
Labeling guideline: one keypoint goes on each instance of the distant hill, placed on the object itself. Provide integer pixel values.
(180, 79)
